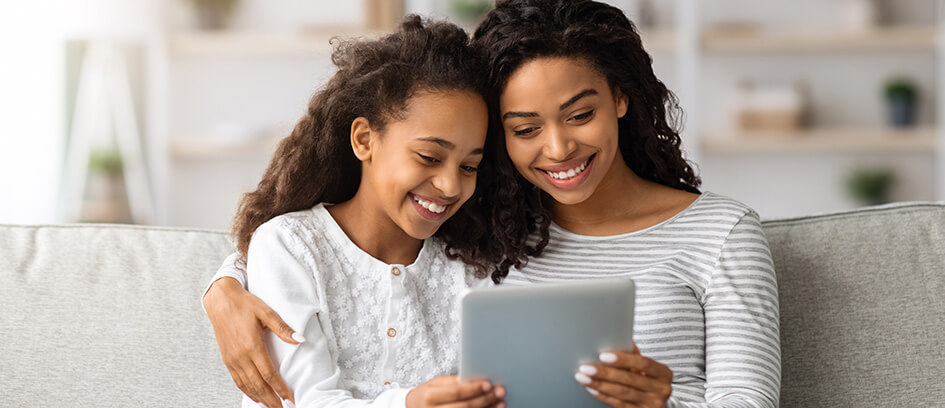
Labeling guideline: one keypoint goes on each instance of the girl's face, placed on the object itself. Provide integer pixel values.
(423, 168)
(560, 121)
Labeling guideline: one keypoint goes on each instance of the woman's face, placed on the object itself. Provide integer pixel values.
(423, 168)
(560, 121)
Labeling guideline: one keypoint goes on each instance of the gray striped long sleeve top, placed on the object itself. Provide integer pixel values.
(707, 298)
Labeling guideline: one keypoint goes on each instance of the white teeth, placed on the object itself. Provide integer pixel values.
(433, 207)
(564, 175)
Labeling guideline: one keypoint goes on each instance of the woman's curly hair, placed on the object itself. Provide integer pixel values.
(375, 80)
(519, 31)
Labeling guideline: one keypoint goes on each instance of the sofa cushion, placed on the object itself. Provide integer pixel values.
(862, 306)
(109, 316)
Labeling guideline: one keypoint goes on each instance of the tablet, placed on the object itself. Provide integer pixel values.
(531, 339)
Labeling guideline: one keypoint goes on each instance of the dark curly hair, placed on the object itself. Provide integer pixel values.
(519, 31)
(375, 80)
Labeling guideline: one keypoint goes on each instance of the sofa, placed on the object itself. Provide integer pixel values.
(109, 315)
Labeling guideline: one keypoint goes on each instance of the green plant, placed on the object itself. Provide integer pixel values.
(472, 9)
(900, 88)
(106, 161)
(871, 186)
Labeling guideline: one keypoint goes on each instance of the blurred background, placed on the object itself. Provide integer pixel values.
(165, 111)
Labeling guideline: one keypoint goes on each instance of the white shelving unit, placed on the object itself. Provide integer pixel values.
(689, 49)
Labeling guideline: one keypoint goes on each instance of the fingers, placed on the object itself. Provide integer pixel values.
(270, 319)
(489, 398)
(257, 389)
(608, 399)
(638, 363)
(602, 373)
(272, 377)
(459, 392)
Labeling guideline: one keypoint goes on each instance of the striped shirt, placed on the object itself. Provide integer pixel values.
(707, 297)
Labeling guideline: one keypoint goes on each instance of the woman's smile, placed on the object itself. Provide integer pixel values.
(569, 174)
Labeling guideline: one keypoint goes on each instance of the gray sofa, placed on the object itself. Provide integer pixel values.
(108, 316)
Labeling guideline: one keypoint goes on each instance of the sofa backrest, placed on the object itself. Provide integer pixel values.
(862, 307)
(109, 316)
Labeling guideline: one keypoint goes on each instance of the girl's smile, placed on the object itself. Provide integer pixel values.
(569, 174)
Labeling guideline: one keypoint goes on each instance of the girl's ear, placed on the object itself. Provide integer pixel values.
(362, 138)
(623, 101)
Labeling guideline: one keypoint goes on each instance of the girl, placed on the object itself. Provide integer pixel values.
(591, 182)
(395, 139)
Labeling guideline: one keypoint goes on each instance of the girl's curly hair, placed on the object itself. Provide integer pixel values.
(519, 31)
(374, 80)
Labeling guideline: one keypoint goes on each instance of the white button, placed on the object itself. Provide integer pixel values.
(391, 332)
(395, 271)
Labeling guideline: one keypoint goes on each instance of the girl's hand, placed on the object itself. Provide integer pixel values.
(239, 318)
(449, 392)
(627, 379)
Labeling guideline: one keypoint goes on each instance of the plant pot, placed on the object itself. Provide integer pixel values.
(901, 111)
(212, 16)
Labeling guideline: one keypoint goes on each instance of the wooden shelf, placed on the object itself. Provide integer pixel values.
(840, 140)
(201, 149)
(659, 40)
(255, 44)
(880, 38)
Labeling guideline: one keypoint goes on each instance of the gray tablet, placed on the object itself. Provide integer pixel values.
(532, 338)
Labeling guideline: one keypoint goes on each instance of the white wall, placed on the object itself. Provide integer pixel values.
(32, 137)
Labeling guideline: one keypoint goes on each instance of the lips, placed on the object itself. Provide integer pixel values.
(429, 208)
(568, 170)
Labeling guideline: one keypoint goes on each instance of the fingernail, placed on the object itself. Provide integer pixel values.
(486, 386)
(592, 391)
(588, 369)
(608, 357)
(287, 404)
(499, 392)
(298, 337)
(581, 378)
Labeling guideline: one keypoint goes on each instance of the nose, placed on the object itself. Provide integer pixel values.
(447, 182)
(558, 146)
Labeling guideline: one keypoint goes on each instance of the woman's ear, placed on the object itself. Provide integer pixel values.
(362, 139)
(623, 101)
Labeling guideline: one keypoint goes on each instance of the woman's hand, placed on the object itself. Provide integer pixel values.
(449, 392)
(239, 318)
(627, 379)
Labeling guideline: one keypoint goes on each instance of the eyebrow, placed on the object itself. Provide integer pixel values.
(565, 105)
(446, 144)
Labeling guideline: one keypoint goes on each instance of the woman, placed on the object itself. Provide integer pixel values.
(590, 182)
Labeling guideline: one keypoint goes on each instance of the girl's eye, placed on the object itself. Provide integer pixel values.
(469, 169)
(582, 116)
(524, 132)
(428, 158)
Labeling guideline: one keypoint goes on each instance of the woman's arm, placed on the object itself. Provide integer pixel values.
(239, 320)
(743, 348)
(287, 284)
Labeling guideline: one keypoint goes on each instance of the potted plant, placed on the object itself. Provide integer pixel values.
(470, 11)
(213, 14)
(870, 186)
(900, 102)
(106, 199)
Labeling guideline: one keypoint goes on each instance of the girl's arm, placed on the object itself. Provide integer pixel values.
(277, 277)
(285, 283)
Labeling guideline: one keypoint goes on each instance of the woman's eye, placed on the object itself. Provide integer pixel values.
(582, 116)
(428, 158)
(524, 132)
(469, 169)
